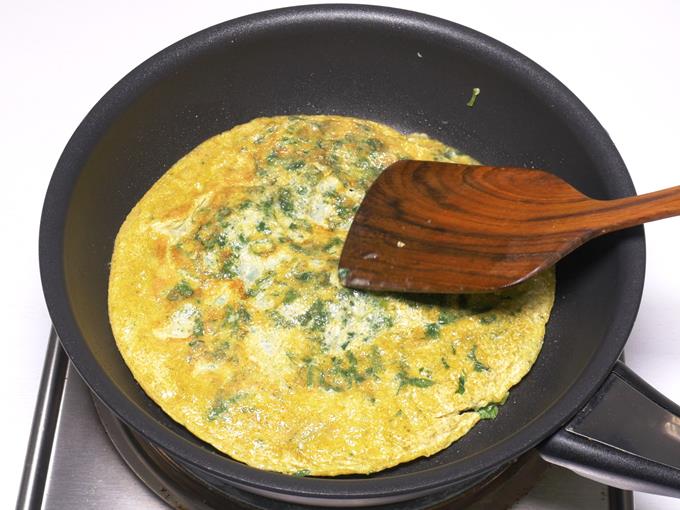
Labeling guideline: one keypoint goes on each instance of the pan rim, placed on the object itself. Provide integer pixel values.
(51, 251)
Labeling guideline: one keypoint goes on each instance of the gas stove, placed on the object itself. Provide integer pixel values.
(81, 456)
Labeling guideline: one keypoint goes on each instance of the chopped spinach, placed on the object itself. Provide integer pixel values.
(447, 317)
(432, 330)
(374, 144)
(327, 385)
(488, 319)
(336, 241)
(210, 238)
(220, 350)
(230, 266)
(489, 412)
(261, 283)
(381, 321)
(461, 384)
(473, 97)
(295, 165)
(348, 371)
(418, 382)
(279, 320)
(262, 227)
(316, 316)
(221, 405)
(478, 365)
(310, 374)
(303, 277)
(290, 296)
(180, 291)
(285, 201)
(236, 318)
(272, 157)
(198, 326)
(221, 216)
(343, 273)
(376, 363)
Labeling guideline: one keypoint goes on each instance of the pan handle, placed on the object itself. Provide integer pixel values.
(627, 436)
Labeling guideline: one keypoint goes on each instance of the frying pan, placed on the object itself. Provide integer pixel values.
(579, 406)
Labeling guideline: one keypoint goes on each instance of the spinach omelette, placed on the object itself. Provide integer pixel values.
(225, 304)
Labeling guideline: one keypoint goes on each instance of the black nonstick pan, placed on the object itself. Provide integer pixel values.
(578, 405)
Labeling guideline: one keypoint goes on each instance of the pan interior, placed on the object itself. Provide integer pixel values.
(408, 71)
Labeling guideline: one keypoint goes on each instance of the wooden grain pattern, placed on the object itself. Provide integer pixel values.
(443, 227)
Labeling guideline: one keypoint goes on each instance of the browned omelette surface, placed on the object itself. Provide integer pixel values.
(225, 304)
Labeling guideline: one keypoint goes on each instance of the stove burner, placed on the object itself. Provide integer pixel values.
(182, 489)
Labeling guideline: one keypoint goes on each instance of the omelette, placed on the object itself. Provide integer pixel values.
(225, 303)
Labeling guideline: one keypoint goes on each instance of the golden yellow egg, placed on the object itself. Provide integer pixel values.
(225, 303)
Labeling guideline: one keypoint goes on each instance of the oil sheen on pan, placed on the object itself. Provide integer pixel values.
(225, 303)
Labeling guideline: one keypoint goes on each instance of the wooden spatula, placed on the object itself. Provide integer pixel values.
(448, 228)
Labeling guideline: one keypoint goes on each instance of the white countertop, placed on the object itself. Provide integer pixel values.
(58, 58)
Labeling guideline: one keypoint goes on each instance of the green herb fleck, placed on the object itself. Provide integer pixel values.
(461, 384)
(382, 321)
(236, 318)
(208, 238)
(198, 326)
(488, 319)
(374, 144)
(344, 211)
(445, 363)
(303, 277)
(262, 227)
(316, 316)
(230, 266)
(272, 157)
(418, 382)
(328, 386)
(489, 412)
(323, 279)
(447, 317)
(220, 351)
(290, 296)
(310, 375)
(221, 405)
(432, 330)
(295, 165)
(473, 98)
(279, 319)
(261, 283)
(302, 472)
(343, 273)
(245, 205)
(221, 216)
(336, 241)
(376, 363)
(180, 291)
(478, 365)
(266, 206)
(286, 201)
(350, 372)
